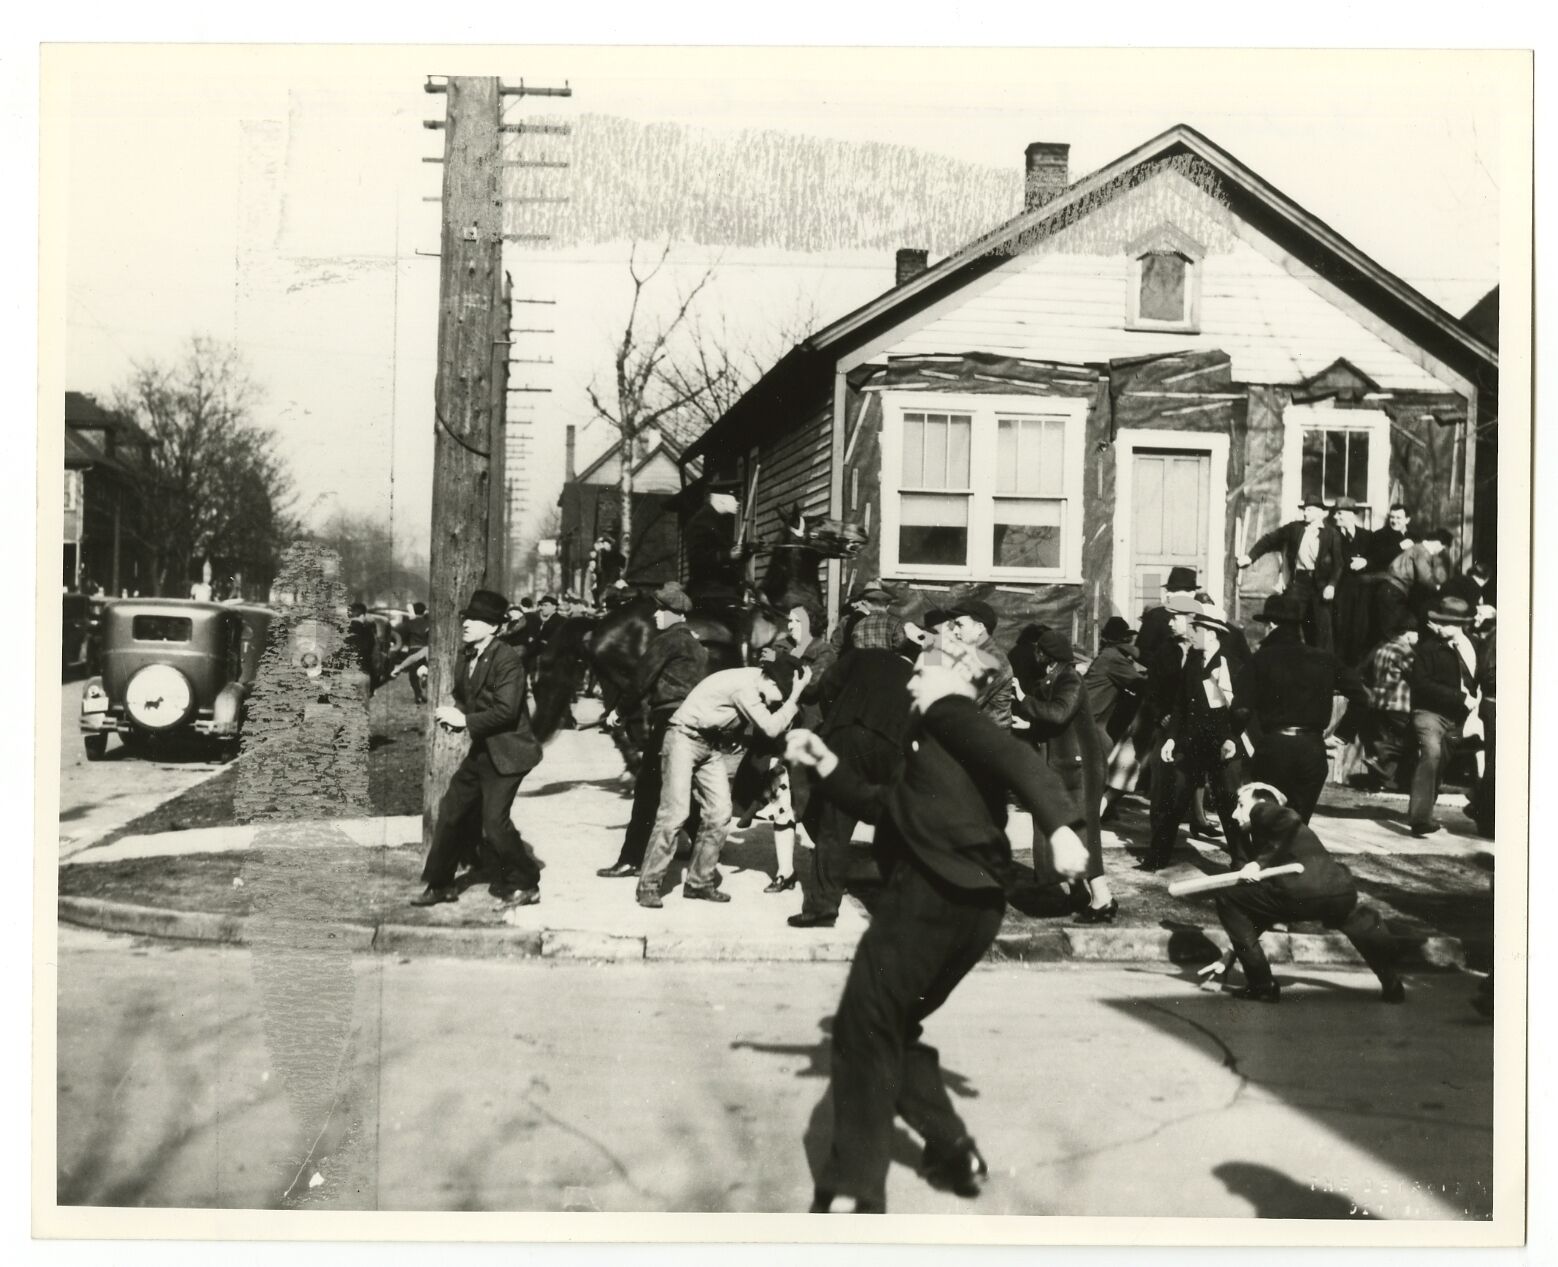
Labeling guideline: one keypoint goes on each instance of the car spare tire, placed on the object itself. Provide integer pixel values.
(159, 698)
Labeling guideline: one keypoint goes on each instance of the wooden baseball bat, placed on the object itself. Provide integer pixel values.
(1206, 883)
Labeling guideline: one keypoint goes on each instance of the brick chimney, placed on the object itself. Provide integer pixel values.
(1046, 167)
(568, 471)
(910, 263)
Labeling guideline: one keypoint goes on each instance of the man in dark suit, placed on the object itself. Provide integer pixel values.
(1287, 689)
(1324, 891)
(1352, 611)
(1313, 562)
(489, 706)
(941, 842)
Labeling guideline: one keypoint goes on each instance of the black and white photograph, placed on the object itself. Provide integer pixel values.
(724, 632)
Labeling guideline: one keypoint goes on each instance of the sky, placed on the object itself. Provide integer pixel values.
(278, 199)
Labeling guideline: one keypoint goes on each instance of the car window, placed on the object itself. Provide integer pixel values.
(161, 628)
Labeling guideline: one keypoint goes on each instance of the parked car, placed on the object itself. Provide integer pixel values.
(172, 667)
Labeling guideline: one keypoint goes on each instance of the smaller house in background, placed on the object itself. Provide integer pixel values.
(105, 453)
(591, 505)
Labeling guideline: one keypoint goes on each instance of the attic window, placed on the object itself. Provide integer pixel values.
(1165, 282)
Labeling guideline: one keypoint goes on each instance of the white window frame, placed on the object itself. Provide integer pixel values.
(1374, 423)
(984, 410)
(1168, 240)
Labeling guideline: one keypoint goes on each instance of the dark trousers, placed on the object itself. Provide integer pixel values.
(1480, 805)
(924, 938)
(1435, 746)
(646, 794)
(1248, 910)
(1387, 737)
(831, 826)
(1317, 612)
(478, 790)
(1173, 789)
(1351, 618)
(1296, 765)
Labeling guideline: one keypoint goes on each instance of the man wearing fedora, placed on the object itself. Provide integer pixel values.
(1313, 562)
(1446, 703)
(868, 622)
(489, 707)
(1351, 614)
(1287, 688)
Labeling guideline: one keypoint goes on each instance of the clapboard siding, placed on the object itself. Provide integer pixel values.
(795, 473)
(1066, 300)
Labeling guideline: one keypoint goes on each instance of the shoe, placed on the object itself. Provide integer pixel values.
(1212, 831)
(1098, 914)
(651, 900)
(825, 1202)
(617, 871)
(1150, 864)
(1423, 829)
(1271, 993)
(710, 894)
(433, 896)
(1393, 993)
(781, 883)
(959, 1168)
(523, 897)
(808, 920)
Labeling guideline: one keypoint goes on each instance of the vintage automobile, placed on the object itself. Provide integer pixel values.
(172, 667)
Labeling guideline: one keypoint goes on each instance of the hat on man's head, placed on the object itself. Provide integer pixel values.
(1281, 609)
(1344, 503)
(1312, 499)
(673, 597)
(547, 598)
(1450, 611)
(934, 616)
(1211, 616)
(873, 592)
(1055, 645)
(1182, 604)
(979, 610)
(1181, 579)
(1116, 629)
(485, 605)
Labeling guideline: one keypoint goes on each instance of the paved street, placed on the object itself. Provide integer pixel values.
(197, 1076)
(98, 797)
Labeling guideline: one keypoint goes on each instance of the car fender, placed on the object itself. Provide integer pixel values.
(227, 708)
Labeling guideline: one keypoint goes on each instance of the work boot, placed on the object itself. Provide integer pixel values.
(958, 1168)
(434, 894)
(712, 893)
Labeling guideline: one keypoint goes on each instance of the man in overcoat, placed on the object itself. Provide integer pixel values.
(1313, 562)
(489, 707)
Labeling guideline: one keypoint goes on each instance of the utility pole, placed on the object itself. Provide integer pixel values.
(467, 395)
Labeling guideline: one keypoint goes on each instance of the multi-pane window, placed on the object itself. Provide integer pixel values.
(1030, 501)
(990, 485)
(1336, 464)
(934, 489)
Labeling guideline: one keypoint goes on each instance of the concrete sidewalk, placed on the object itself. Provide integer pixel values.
(574, 808)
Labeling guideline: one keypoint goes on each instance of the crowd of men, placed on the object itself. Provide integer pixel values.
(927, 730)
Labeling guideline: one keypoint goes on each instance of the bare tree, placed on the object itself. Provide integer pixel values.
(372, 567)
(214, 486)
(647, 392)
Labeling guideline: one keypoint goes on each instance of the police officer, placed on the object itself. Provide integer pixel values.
(1287, 688)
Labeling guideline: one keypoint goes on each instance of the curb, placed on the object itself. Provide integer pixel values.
(1050, 945)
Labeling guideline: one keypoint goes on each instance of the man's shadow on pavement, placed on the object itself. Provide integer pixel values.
(1275, 1196)
(818, 1138)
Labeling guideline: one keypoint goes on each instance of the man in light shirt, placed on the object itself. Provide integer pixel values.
(704, 735)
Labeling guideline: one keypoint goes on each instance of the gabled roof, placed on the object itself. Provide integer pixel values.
(1297, 230)
(663, 444)
(1482, 320)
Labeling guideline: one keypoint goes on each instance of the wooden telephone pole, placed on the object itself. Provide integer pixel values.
(468, 401)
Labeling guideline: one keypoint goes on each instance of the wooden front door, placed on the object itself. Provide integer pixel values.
(1169, 520)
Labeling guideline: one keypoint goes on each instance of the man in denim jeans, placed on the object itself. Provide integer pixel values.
(705, 733)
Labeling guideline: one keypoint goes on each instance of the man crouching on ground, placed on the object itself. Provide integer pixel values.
(1323, 891)
(941, 845)
(489, 706)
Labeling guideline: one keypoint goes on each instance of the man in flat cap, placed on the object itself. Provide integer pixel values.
(973, 623)
(488, 707)
(673, 664)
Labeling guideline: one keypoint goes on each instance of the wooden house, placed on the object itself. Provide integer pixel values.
(1146, 367)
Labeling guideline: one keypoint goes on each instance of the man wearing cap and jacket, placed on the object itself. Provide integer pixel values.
(1286, 689)
(869, 623)
(1313, 560)
(489, 706)
(1446, 697)
(973, 623)
(1113, 681)
(674, 662)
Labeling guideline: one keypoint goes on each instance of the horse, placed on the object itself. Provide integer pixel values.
(613, 644)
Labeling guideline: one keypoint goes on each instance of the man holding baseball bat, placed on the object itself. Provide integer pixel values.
(1323, 891)
(942, 847)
